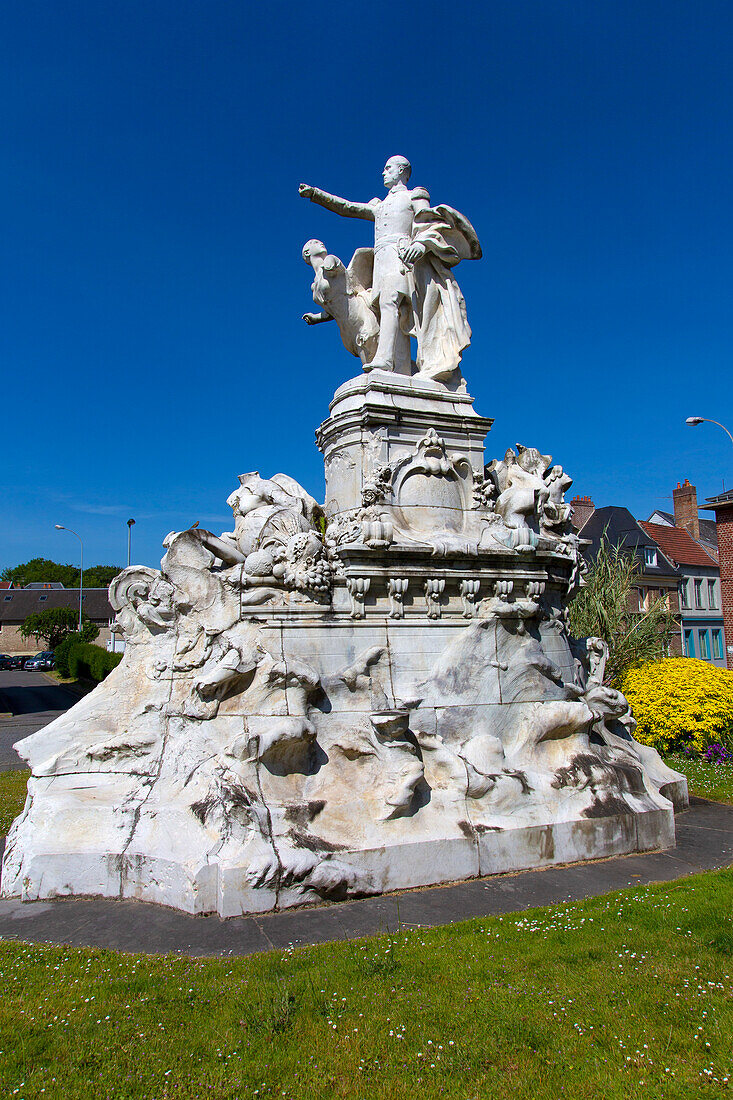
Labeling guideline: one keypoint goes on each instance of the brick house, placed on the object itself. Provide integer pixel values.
(686, 515)
(658, 576)
(16, 604)
(700, 599)
(722, 505)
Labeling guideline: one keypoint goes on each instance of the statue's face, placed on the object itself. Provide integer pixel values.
(313, 249)
(393, 171)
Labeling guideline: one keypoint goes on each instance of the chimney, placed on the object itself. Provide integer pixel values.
(583, 509)
(685, 508)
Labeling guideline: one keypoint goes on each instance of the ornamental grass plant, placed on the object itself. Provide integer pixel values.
(682, 704)
(601, 609)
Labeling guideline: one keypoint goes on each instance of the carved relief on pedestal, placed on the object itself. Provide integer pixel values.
(377, 533)
(396, 589)
(434, 589)
(358, 588)
(469, 589)
(432, 489)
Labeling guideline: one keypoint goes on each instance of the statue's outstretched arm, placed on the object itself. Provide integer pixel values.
(317, 318)
(339, 206)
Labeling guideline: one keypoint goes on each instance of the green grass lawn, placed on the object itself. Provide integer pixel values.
(12, 797)
(714, 781)
(628, 995)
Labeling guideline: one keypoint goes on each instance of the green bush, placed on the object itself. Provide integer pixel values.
(680, 703)
(62, 651)
(90, 662)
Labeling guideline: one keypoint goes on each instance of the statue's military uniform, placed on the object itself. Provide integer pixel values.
(393, 224)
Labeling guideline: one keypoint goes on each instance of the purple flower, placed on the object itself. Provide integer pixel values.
(717, 754)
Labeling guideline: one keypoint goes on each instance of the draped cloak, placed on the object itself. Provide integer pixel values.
(439, 321)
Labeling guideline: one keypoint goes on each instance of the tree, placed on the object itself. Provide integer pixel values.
(53, 624)
(100, 576)
(601, 610)
(42, 570)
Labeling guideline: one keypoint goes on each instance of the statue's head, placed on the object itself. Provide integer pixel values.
(313, 249)
(396, 170)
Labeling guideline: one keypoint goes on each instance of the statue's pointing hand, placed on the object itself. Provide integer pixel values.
(305, 190)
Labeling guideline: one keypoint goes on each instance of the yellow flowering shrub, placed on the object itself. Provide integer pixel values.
(680, 702)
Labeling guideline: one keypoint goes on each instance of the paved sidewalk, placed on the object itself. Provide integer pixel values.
(704, 842)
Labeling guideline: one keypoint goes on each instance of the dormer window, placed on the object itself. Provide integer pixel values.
(650, 555)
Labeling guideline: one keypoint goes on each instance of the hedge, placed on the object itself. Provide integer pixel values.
(90, 662)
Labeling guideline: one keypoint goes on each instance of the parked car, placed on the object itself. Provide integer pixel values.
(41, 662)
(9, 661)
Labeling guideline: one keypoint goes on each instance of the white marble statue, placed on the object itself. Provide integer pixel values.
(413, 291)
(344, 297)
(369, 695)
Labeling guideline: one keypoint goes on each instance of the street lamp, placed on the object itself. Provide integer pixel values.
(60, 527)
(130, 525)
(693, 421)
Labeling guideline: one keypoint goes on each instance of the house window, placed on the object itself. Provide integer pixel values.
(698, 592)
(684, 595)
(717, 646)
(712, 599)
(641, 592)
(650, 555)
(704, 644)
(689, 644)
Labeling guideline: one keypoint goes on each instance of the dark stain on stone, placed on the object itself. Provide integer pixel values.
(522, 778)
(467, 830)
(579, 773)
(606, 805)
(203, 808)
(488, 829)
(313, 843)
(547, 843)
(304, 813)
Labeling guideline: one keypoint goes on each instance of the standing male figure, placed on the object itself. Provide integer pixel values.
(413, 290)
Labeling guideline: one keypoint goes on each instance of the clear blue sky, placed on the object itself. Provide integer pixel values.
(152, 285)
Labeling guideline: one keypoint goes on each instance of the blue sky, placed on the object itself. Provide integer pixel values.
(152, 284)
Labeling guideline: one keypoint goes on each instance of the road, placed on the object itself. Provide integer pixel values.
(35, 701)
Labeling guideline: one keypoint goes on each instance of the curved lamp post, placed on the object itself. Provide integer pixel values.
(693, 421)
(60, 527)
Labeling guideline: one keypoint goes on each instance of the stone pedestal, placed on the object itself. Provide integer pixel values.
(379, 417)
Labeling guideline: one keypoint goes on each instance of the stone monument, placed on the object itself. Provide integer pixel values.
(369, 695)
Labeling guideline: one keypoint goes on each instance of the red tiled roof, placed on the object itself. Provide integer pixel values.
(676, 543)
